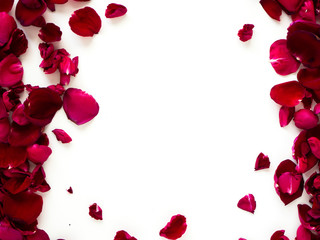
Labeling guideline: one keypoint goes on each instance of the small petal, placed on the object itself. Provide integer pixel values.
(11, 71)
(70, 190)
(17, 44)
(288, 94)
(123, 235)
(50, 33)
(272, 8)
(286, 115)
(175, 228)
(62, 136)
(262, 162)
(279, 235)
(246, 32)
(95, 211)
(305, 119)
(115, 10)
(247, 203)
(38, 154)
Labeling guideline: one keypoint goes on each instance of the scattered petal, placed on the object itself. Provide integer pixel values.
(175, 228)
(50, 33)
(262, 162)
(247, 203)
(272, 8)
(123, 235)
(115, 10)
(70, 190)
(286, 115)
(291, 6)
(246, 32)
(95, 211)
(62, 136)
(279, 235)
(288, 94)
(26, 15)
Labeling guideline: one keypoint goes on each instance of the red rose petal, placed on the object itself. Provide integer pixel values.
(17, 43)
(246, 32)
(23, 135)
(38, 235)
(62, 136)
(17, 184)
(286, 115)
(24, 206)
(281, 58)
(306, 12)
(272, 8)
(288, 94)
(290, 6)
(289, 183)
(6, 5)
(26, 15)
(8, 233)
(312, 185)
(4, 129)
(123, 235)
(314, 144)
(7, 26)
(262, 162)
(38, 154)
(115, 10)
(309, 78)
(79, 106)
(70, 190)
(19, 117)
(85, 22)
(279, 235)
(95, 211)
(305, 119)
(50, 33)
(11, 71)
(247, 203)
(175, 228)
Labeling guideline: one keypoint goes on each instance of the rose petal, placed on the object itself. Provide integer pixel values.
(50, 33)
(175, 228)
(272, 8)
(290, 6)
(38, 180)
(312, 185)
(115, 10)
(38, 235)
(262, 162)
(286, 115)
(288, 94)
(95, 211)
(11, 71)
(247, 203)
(279, 235)
(316, 108)
(79, 106)
(6, 5)
(8, 233)
(19, 117)
(26, 15)
(314, 144)
(7, 26)
(309, 78)
(123, 235)
(4, 129)
(70, 190)
(38, 154)
(289, 183)
(306, 12)
(17, 184)
(17, 43)
(62, 136)
(23, 135)
(85, 22)
(305, 119)
(281, 58)
(246, 32)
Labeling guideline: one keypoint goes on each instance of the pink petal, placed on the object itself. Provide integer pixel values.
(290, 6)
(24, 206)
(62, 136)
(286, 115)
(17, 43)
(38, 154)
(19, 117)
(7, 26)
(6, 5)
(262, 162)
(50, 33)
(95, 211)
(247, 203)
(246, 32)
(306, 12)
(68, 67)
(175, 228)
(11, 71)
(8, 233)
(279, 235)
(123, 235)
(115, 10)
(272, 8)
(305, 119)
(289, 183)
(303, 234)
(85, 22)
(27, 16)
(314, 144)
(281, 58)
(288, 94)
(309, 78)
(316, 108)
(79, 106)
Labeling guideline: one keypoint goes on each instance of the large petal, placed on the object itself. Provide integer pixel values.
(288, 94)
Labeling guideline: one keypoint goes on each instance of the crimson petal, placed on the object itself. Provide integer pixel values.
(246, 32)
(8, 233)
(79, 106)
(6, 5)
(279, 235)
(175, 228)
(38, 235)
(115, 10)
(309, 78)
(38, 154)
(27, 16)
(50, 33)
(17, 43)
(305, 119)
(11, 71)
(288, 94)
(285, 115)
(262, 162)
(7, 26)
(306, 12)
(290, 6)
(62, 136)
(4, 129)
(123, 235)
(23, 135)
(85, 22)
(95, 211)
(272, 8)
(247, 203)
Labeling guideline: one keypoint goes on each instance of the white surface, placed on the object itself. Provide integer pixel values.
(184, 112)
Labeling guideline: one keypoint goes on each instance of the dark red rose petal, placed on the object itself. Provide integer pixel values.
(309, 78)
(38, 154)
(314, 144)
(79, 106)
(38, 180)
(279, 235)
(306, 12)
(175, 228)
(262, 162)
(4, 130)
(24, 206)
(246, 32)
(70, 190)
(62, 136)
(11, 71)
(305, 119)
(247, 203)
(26, 15)
(288, 94)
(17, 43)
(286, 115)
(38, 235)
(123, 235)
(17, 184)
(115, 10)
(290, 6)
(19, 117)
(23, 135)
(7, 26)
(8, 233)
(58, 1)
(85, 22)
(50, 33)
(272, 8)
(312, 185)
(281, 58)
(95, 211)
(6, 5)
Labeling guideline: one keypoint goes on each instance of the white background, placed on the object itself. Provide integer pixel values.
(184, 112)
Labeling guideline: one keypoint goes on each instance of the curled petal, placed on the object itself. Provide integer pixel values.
(306, 12)
(95, 211)
(285, 115)
(246, 32)
(272, 8)
(38, 154)
(314, 144)
(50, 33)
(281, 58)
(19, 117)
(7, 26)
(247, 203)
(288, 94)
(115, 10)
(305, 119)
(279, 235)
(85, 22)
(123, 235)
(62, 136)
(289, 183)
(26, 15)
(312, 185)
(175, 228)
(262, 162)
(79, 106)
(11, 71)
(17, 43)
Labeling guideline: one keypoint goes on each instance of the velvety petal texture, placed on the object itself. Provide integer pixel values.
(95, 211)
(38, 154)
(7, 26)
(279, 235)
(123, 235)
(50, 33)
(288, 94)
(85, 22)
(27, 14)
(175, 228)
(272, 8)
(247, 203)
(62, 136)
(11, 71)
(305, 119)
(115, 10)
(79, 106)
(286, 115)
(246, 32)
(262, 162)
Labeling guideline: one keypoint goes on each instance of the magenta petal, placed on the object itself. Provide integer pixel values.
(247, 203)
(285, 115)
(262, 162)
(11, 71)
(27, 16)
(8, 233)
(123, 235)
(279, 235)
(246, 32)
(316, 108)
(305, 119)
(303, 234)
(62, 136)
(289, 183)
(38, 154)
(272, 8)
(115, 10)
(79, 106)
(281, 58)
(85, 22)
(175, 228)
(288, 94)
(95, 211)
(7, 26)
(50, 33)
(290, 6)
(306, 12)
(19, 117)
(38, 235)
(314, 144)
